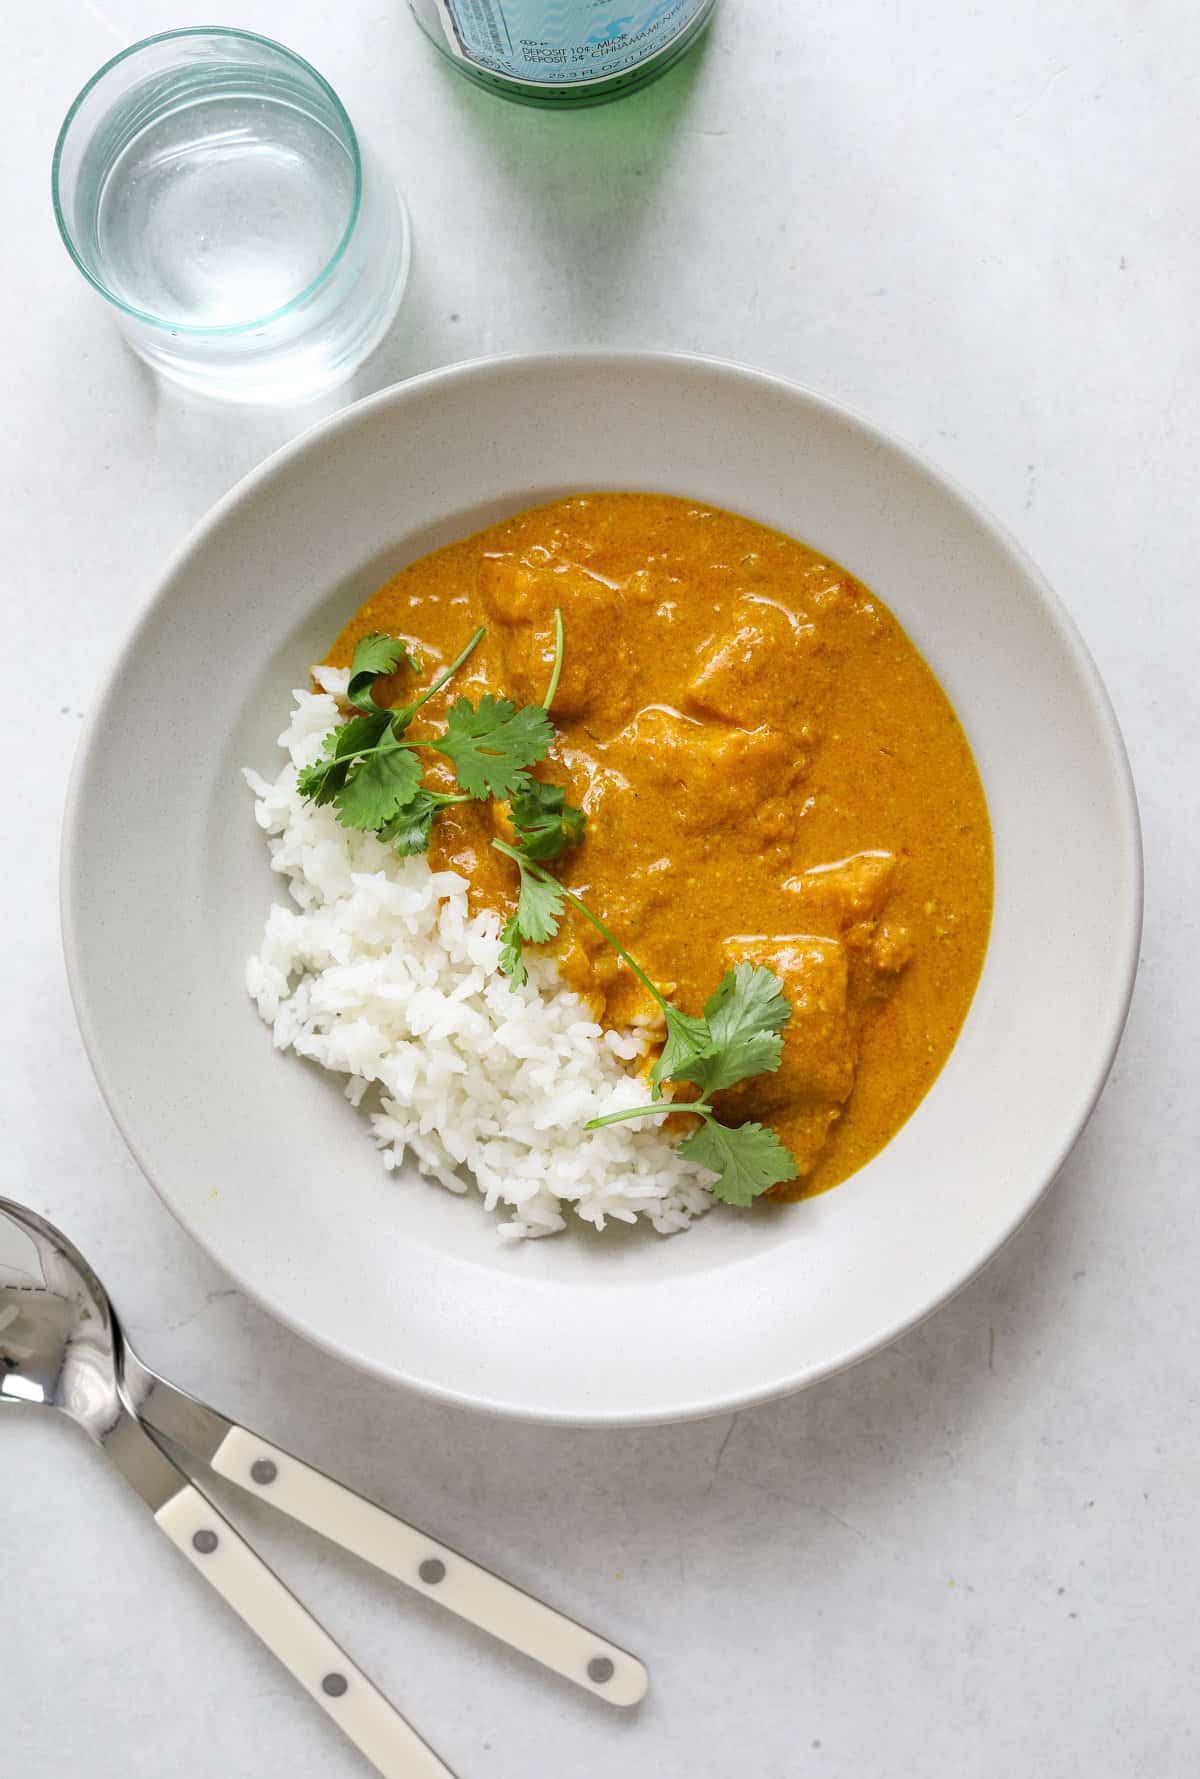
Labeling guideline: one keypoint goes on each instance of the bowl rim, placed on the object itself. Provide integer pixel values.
(1125, 953)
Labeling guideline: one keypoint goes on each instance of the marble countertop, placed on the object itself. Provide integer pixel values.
(975, 1554)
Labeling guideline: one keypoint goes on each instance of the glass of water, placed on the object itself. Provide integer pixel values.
(210, 185)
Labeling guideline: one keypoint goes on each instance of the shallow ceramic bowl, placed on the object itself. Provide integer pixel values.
(166, 884)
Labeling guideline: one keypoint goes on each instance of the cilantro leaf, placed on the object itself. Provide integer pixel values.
(322, 781)
(491, 744)
(538, 912)
(745, 1017)
(748, 1000)
(539, 908)
(378, 788)
(540, 902)
(688, 1038)
(410, 829)
(325, 777)
(512, 957)
(544, 823)
(737, 1037)
(375, 656)
(358, 736)
(747, 1159)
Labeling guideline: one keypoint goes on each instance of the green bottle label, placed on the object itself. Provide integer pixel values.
(563, 42)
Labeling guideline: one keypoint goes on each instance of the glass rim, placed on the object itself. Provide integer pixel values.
(160, 321)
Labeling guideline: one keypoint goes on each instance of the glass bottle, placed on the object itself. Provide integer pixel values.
(563, 52)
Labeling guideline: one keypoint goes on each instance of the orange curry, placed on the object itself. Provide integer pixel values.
(770, 772)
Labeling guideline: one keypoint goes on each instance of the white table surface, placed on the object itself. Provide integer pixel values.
(976, 1554)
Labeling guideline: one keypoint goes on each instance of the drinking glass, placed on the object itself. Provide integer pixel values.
(210, 185)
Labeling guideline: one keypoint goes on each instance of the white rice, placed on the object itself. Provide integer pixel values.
(380, 973)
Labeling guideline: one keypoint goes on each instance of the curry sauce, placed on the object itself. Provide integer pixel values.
(770, 772)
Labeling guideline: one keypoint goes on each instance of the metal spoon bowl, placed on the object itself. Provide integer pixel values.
(58, 1334)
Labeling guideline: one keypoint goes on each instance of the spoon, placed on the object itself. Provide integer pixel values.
(62, 1347)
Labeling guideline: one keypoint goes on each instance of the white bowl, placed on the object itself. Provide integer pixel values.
(165, 885)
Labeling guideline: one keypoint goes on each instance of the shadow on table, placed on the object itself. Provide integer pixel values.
(575, 188)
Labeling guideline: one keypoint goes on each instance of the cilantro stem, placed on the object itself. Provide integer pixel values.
(548, 700)
(527, 864)
(663, 1108)
(388, 746)
(436, 797)
(410, 710)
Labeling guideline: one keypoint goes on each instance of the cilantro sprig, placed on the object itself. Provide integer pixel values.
(748, 1159)
(409, 831)
(545, 824)
(370, 769)
(492, 742)
(738, 1036)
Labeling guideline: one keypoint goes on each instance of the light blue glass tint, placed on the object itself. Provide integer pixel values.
(210, 185)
